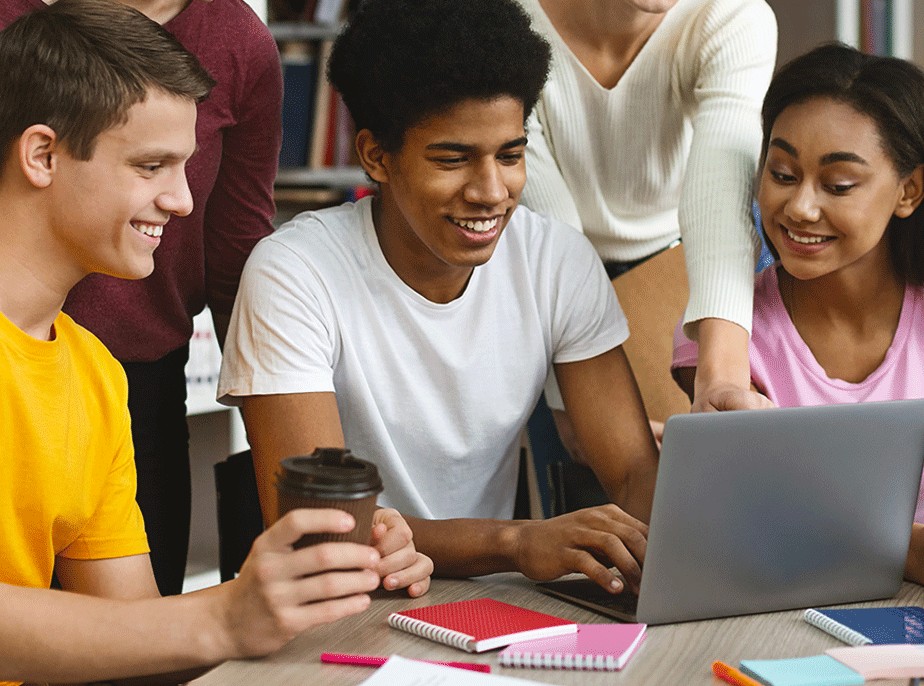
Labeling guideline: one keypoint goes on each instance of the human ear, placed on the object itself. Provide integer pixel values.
(37, 151)
(371, 156)
(912, 193)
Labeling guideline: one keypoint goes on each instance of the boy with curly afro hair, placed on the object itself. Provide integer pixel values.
(417, 327)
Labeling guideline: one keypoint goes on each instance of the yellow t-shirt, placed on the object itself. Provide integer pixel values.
(67, 469)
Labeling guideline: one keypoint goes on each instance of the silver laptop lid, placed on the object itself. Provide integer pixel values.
(777, 509)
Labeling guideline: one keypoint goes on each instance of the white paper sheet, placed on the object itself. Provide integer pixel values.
(399, 671)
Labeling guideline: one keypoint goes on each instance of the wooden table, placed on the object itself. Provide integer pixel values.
(671, 654)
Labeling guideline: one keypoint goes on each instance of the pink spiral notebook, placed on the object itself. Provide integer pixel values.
(595, 646)
(480, 624)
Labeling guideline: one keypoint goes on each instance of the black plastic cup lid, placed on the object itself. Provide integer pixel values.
(329, 473)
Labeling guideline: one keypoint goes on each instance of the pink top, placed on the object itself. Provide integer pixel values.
(784, 368)
(238, 133)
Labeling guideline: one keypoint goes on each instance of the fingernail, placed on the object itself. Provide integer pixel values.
(616, 585)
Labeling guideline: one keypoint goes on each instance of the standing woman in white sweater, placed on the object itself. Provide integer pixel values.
(648, 131)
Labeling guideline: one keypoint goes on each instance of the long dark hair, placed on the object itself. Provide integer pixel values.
(888, 90)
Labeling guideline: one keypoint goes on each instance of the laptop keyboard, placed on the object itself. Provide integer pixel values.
(586, 593)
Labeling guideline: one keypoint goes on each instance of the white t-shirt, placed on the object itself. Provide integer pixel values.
(435, 394)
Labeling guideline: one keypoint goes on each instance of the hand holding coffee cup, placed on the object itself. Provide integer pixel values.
(330, 478)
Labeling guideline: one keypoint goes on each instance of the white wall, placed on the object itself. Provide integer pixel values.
(259, 6)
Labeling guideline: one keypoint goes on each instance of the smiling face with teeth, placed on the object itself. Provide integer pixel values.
(447, 193)
(828, 191)
(107, 213)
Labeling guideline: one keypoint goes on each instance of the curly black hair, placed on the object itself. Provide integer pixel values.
(399, 61)
(888, 90)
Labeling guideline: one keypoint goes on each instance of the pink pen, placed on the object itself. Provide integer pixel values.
(376, 661)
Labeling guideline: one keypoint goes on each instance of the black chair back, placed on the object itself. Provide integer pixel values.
(240, 520)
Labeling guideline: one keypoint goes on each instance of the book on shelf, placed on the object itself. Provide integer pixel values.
(876, 27)
(317, 146)
(330, 131)
(870, 625)
(299, 76)
(330, 11)
(480, 624)
(292, 10)
(325, 12)
(602, 647)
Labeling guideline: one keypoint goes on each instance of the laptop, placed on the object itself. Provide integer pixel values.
(764, 510)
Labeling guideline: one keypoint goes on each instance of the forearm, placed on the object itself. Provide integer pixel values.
(280, 426)
(588, 541)
(546, 190)
(627, 475)
(168, 679)
(914, 565)
(64, 637)
(612, 430)
(723, 355)
(467, 547)
(634, 493)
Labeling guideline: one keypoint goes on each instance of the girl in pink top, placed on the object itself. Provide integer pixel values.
(840, 317)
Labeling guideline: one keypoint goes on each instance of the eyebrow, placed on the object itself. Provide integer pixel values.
(833, 157)
(829, 158)
(462, 147)
(160, 154)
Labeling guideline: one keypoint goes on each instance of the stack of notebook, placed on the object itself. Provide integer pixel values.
(533, 639)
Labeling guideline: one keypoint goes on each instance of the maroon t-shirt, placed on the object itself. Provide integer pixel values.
(200, 258)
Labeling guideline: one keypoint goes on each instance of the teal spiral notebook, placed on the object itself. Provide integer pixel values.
(871, 625)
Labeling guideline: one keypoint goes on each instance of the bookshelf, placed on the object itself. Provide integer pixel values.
(880, 26)
(344, 178)
(286, 31)
(317, 165)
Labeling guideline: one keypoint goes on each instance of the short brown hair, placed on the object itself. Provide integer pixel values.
(78, 66)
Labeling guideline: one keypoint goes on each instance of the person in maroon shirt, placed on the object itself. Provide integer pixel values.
(147, 324)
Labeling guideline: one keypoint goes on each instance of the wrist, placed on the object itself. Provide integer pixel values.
(214, 624)
(510, 543)
(707, 380)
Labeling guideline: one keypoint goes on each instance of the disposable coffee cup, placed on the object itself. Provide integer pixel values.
(330, 478)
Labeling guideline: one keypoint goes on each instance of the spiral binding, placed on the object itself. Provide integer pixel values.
(835, 628)
(560, 661)
(431, 631)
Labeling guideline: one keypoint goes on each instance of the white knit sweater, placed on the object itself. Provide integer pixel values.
(670, 151)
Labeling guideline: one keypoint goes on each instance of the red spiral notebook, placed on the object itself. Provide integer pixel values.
(480, 624)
